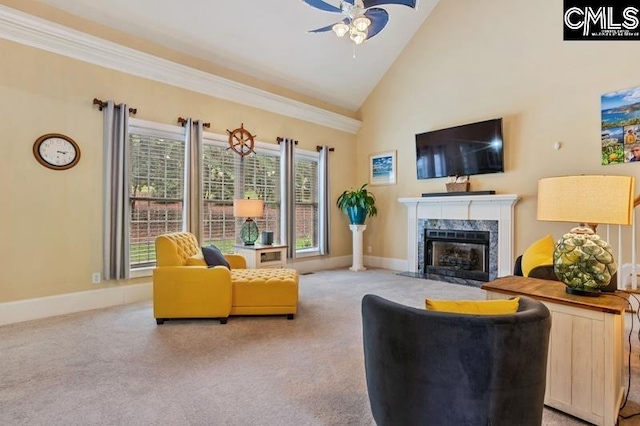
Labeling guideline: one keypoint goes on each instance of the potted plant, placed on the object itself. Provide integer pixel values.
(357, 204)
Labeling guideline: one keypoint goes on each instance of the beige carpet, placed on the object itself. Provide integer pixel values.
(116, 367)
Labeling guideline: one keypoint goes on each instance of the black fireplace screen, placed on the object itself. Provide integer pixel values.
(457, 253)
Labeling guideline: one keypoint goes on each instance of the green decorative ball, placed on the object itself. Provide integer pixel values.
(582, 260)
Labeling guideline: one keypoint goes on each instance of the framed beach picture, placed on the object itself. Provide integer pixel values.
(621, 126)
(382, 168)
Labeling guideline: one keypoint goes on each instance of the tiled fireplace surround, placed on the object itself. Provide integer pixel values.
(493, 213)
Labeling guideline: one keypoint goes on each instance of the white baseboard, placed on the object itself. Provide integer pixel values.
(318, 264)
(45, 307)
(386, 263)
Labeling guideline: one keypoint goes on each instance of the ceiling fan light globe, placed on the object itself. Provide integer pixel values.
(362, 23)
(358, 37)
(340, 29)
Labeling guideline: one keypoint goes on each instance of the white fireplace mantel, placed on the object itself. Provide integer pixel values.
(499, 207)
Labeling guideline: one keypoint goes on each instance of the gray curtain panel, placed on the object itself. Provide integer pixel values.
(116, 192)
(288, 196)
(324, 201)
(192, 208)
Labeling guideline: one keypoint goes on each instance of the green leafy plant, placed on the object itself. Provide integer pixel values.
(359, 198)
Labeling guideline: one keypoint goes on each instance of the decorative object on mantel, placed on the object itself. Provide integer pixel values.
(360, 19)
(457, 184)
(581, 259)
(241, 141)
(357, 204)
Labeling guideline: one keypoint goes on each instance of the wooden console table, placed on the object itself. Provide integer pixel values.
(585, 368)
(260, 256)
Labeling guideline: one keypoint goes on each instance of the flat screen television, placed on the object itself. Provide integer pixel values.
(469, 149)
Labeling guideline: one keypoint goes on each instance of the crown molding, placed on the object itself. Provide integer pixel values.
(32, 31)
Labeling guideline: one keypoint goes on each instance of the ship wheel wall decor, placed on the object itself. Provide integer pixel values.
(241, 141)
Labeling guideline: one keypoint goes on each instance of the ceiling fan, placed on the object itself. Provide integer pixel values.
(362, 19)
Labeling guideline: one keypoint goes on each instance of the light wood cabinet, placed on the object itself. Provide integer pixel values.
(585, 368)
(261, 256)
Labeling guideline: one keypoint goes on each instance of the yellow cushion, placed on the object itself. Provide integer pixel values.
(196, 260)
(474, 307)
(538, 253)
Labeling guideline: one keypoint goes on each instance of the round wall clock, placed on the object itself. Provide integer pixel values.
(56, 151)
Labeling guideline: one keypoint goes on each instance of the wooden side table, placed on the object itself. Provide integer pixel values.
(260, 256)
(585, 368)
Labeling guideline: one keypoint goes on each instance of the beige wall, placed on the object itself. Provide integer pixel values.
(52, 220)
(470, 61)
(476, 60)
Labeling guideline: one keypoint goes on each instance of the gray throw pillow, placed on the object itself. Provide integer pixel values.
(214, 257)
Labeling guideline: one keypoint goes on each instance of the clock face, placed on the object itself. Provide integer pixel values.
(56, 151)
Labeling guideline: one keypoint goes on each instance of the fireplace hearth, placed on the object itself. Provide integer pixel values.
(457, 254)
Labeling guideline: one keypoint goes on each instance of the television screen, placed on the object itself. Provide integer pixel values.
(470, 149)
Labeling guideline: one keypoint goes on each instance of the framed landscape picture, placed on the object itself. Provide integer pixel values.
(382, 168)
(621, 126)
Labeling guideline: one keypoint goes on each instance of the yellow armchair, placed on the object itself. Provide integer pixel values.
(183, 286)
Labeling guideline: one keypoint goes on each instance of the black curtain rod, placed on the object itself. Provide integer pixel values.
(102, 104)
(182, 122)
(318, 148)
(279, 139)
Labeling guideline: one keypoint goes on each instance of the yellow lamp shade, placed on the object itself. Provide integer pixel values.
(591, 199)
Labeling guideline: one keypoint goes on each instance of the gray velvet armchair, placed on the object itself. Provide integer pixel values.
(434, 368)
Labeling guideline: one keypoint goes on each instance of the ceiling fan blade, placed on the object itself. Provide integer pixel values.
(319, 4)
(372, 3)
(379, 19)
(328, 27)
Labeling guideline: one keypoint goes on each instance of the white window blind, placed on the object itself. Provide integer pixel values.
(306, 199)
(156, 193)
(156, 183)
(226, 176)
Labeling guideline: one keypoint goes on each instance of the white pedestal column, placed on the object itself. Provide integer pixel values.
(357, 231)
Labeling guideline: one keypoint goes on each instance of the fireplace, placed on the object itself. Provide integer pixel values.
(461, 212)
(456, 253)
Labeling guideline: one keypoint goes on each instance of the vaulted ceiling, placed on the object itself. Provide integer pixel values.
(265, 39)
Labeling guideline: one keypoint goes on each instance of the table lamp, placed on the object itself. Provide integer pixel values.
(248, 209)
(582, 260)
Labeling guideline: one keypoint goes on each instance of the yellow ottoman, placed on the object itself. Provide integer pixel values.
(264, 292)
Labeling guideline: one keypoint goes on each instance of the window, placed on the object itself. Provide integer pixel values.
(156, 189)
(262, 180)
(306, 199)
(225, 176)
(218, 180)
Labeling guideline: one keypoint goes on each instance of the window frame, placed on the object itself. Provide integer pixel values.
(261, 148)
(168, 131)
(303, 154)
(156, 130)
